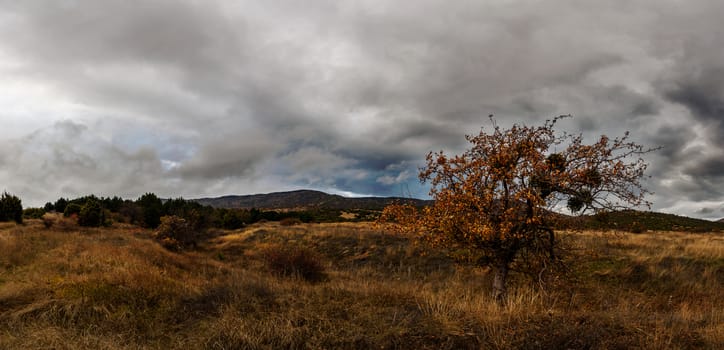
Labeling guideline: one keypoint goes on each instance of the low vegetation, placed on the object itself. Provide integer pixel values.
(641, 221)
(11, 208)
(70, 287)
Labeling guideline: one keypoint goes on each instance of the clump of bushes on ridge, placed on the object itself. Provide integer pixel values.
(91, 214)
(11, 208)
(176, 233)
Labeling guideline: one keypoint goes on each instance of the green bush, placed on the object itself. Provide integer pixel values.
(176, 233)
(33, 213)
(637, 227)
(11, 208)
(232, 220)
(72, 209)
(91, 214)
(151, 207)
(60, 205)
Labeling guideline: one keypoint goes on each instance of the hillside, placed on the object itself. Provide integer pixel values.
(304, 199)
(642, 220)
(629, 220)
(117, 288)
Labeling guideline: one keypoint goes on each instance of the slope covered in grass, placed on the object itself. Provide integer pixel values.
(639, 221)
(116, 288)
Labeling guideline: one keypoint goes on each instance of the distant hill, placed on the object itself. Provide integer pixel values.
(646, 220)
(305, 199)
(629, 220)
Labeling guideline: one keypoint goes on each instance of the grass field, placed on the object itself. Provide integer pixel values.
(116, 288)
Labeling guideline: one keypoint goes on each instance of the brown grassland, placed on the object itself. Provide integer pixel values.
(67, 287)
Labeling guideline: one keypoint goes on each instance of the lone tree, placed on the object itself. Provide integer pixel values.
(494, 203)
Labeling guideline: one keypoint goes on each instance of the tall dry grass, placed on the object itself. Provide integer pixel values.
(116, 288)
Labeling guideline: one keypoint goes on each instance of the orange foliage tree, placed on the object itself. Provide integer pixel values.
(493, 203)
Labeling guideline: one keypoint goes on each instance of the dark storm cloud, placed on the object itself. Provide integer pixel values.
(711, 167)
(215, 97)
(703, 94)
(695, 81)
(672, 140)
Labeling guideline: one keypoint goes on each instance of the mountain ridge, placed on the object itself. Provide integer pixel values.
(304, 199)
(310, 199)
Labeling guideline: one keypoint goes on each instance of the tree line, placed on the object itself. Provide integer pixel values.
(147, 211)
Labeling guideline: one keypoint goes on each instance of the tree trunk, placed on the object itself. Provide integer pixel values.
(499, 288)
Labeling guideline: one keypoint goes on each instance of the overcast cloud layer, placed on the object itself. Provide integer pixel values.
(206, 98)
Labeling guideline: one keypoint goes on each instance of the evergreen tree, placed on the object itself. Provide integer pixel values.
(11, 208)
(151, 207)
(91, 214)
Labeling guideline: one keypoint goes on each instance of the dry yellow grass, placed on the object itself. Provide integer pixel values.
(115, 288)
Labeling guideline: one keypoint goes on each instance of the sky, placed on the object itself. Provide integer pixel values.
(207, 97)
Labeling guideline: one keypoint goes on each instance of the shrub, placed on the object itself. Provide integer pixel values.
(176, 233)
(48, 221)
(131, 213)
(48, 207)
(91, 214)
(60, 205)
(290, 221)
(232, 220)
(295, 261)
(72, 209)
(33, 213)
(151, 207)
(637, 227)
(11, 208)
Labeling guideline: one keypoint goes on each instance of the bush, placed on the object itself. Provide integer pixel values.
(296, 262)
(48, 221)
(232, 220)
(72, 209)
(91, 214)
(11, 208)
(60, 205)
(151, 208)
(33, 213)
(637, 227)
(290, 221)
(176, 233)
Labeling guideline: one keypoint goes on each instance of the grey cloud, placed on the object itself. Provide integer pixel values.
(693, 154)
(228, 156)
(65, 159)
(672, 139)
(120, 31)
(703, 94)
(706, 211)
(214, 97)
(707, 167)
